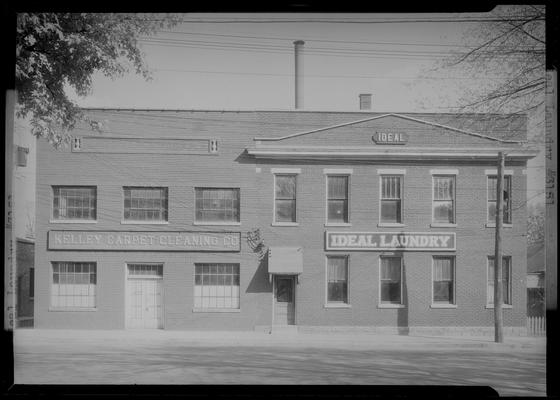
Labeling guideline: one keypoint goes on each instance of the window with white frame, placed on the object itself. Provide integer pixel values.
(285, 197)
(145, 270)
(73, 284)
(145, 203)
(492, 198)
(444, 199)
(506, 280)
(337, 279)
(74, 202)
(337, 198)
(391, 199)
(217, 205)
(443, 280)
(216, 286)
(390, 278)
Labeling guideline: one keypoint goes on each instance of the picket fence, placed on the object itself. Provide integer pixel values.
(536, 326)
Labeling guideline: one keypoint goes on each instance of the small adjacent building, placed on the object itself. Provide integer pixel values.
(535, 280)
(243, 220)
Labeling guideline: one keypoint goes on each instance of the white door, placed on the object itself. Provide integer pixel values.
(144, 302)
(284, 300)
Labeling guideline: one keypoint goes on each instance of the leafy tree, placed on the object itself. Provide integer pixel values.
(54, 50)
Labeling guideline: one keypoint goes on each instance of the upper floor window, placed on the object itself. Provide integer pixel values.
(444, 199)
(391, 199)
(492, 198)
(74, 202)
(285, 198)
(337, 198)
(145, 204)
(217, 205)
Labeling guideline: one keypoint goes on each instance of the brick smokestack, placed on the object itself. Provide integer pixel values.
(298, 53)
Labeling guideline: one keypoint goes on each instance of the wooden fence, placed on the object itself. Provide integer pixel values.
(536, 326)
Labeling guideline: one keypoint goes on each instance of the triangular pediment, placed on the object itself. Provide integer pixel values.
(383, 130)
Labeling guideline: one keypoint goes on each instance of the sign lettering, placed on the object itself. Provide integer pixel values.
(390, 138)
(153, 241)
(379, 241)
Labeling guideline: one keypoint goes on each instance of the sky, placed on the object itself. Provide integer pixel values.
(211, 62)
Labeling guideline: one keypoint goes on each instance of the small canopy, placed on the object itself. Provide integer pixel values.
(285, 260)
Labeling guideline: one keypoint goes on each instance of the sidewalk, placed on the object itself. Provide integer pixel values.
(125, 338)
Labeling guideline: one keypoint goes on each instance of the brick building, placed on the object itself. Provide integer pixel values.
(243, 220)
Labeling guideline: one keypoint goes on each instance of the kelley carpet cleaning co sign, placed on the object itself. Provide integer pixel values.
(403, 241)
(142, 241)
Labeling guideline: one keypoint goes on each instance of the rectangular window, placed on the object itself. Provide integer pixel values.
(506, 280)
(73, 284)
(390, 280)
(217, 205)
(444, 199)
(337, 198)
(443, 277)
(74, 202)
(31, 282)
(216, 286)
(145, 270)
(285, 198)
(391, 200)
(337, 279)
(145, 203)
(492, 199)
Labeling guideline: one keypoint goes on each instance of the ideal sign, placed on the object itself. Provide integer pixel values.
(401, 241)
(390, 138)
(139, 241)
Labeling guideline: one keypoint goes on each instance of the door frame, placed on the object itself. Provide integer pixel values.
(294, 280)
(126, 290)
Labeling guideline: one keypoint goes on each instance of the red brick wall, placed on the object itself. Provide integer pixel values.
(231, 168)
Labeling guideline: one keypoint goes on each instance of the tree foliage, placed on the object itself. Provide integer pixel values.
(535, 225)
(54, 50)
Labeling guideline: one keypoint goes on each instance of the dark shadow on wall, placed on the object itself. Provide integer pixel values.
(402, 313)
(260, 282)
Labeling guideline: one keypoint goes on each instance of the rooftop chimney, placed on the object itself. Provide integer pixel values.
(365, 101)
(298, 52)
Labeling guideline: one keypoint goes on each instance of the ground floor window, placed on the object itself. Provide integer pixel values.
(443, 278)
(390, 278)
(73, 284)
(216, 285)
(337, 279)
(506, 280)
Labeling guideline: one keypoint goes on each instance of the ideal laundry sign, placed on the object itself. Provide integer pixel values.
(153, 241)
(404, 241)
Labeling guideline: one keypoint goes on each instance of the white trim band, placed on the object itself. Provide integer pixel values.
(391, 171)
(444, 172)
(495, 172)
(342, 171)
(285, 170)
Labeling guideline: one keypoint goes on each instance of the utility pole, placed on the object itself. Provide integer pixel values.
(498, 320)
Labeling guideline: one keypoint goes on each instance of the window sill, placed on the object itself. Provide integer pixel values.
(285, 224)
(217, 223)
(491, 306)
(338, 224)
(72, 221)
(493, 225)
(443, 306)
(391, 306)
(390, 225)
(125, 222)
(442, 225)
(216, 310)
(338, 305)
(72, 309)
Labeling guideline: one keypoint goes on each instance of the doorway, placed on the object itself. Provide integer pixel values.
(144, 296)
(284, 300)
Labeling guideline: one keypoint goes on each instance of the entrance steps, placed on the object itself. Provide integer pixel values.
(284, 330)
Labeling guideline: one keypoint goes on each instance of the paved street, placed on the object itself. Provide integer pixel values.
(515, 368)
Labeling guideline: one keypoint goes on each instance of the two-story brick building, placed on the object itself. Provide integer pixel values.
(242, 220)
